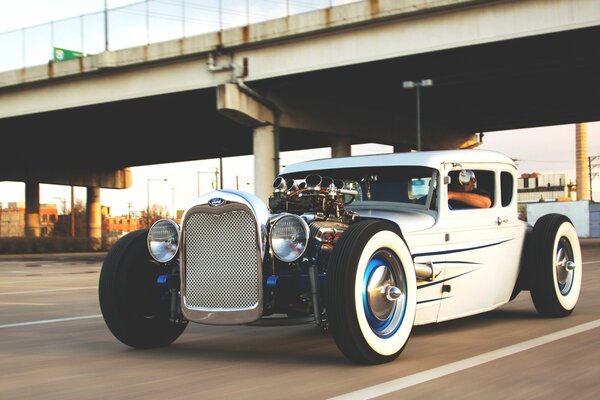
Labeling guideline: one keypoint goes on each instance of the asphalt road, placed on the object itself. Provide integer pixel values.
(54, 345)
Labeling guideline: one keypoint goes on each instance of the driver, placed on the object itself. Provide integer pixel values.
(467, 192)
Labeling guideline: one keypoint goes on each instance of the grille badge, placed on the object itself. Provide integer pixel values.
(216, 201)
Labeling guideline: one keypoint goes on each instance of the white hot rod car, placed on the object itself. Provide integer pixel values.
(367, 247)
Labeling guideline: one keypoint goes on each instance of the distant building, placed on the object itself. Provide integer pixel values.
(535, 187)
(12, 219)
(121, 225)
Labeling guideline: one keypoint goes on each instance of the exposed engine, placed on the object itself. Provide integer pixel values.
(315, 198)
(320, 202)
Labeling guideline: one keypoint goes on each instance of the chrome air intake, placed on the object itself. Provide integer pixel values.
(221, 264)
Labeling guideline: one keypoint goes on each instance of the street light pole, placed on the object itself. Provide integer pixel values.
(417, 85)
(148, 198)
(221, 172)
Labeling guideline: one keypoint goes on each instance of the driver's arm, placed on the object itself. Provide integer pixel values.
(472, 199)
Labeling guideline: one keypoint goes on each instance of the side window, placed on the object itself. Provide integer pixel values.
(465, 196)
(506, 187)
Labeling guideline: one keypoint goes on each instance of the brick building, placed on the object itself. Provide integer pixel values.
(12, 219)
(121, 225)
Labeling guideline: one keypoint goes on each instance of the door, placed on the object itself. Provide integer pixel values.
(483, 245)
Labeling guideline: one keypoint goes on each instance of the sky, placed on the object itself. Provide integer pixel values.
(544, 149)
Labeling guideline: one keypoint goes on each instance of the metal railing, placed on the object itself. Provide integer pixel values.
(141, 23)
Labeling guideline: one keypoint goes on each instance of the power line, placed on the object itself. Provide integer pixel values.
(545, 161)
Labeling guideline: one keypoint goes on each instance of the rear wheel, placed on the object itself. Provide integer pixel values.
(371, 293)
(555, 266)
(136, 309)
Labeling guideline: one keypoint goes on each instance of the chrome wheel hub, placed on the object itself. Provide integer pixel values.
(565, 267)
(381, 293)
(384, 293)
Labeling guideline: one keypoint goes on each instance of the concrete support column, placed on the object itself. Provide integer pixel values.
(263, 143)
(94, 217)
(582, 162)
(401, 148)
(341, 146)
(246, 107)
(32, 209)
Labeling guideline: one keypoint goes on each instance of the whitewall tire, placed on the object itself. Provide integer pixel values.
(556, 266)
(371, 292)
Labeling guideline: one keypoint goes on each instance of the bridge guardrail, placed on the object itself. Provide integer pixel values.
(140, 23)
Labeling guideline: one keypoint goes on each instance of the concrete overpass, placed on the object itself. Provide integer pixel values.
(326, 78)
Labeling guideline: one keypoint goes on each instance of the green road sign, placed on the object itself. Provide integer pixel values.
(64, 54)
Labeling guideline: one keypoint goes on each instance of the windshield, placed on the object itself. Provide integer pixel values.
(397, 184)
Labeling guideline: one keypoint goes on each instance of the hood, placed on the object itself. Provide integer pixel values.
(407, 220)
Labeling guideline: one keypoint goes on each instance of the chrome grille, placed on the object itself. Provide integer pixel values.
(221, 260)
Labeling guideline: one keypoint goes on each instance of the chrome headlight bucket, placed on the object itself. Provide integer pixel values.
(163, 240)
(288, 237)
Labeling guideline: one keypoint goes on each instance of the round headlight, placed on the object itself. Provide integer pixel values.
(163, 240)
(288, 237)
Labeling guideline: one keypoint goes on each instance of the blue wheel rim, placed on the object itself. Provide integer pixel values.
(564, 277)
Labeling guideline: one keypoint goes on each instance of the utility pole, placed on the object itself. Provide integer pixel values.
(129, 205)
(64, 204)
(593, 162)
(208, 172)
(72, 212)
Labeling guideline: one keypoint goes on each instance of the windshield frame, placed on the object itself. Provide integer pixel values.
(378, 188)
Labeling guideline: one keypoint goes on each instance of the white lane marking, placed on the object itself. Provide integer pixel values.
(591, 262)
(425, 376)
(50, 290)
(50, 321)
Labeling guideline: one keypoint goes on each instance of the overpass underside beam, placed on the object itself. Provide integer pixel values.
(343, 124)
(346, 122)
(71, 176)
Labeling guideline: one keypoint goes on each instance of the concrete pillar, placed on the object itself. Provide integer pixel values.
(401, 148)
(341, 146)
(582, 162)
(263, 142)
(94, 217)
(32, 209)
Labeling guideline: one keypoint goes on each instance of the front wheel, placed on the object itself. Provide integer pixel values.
(371, 293)
(555, 266)
(135, 308)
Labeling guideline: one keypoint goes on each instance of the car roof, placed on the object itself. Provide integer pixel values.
(432, 159)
